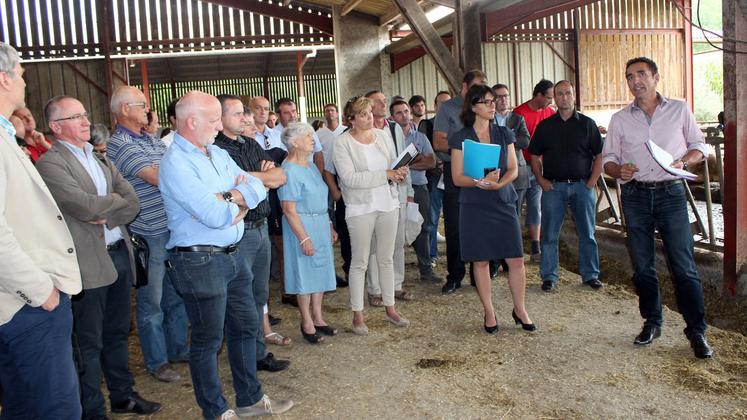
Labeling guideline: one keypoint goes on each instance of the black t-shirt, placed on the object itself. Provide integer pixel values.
(567, 147)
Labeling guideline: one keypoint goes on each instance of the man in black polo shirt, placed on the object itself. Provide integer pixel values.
(250, 156)
(566, 160)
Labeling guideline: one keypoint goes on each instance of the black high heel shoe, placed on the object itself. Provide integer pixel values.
(526, 327)
(490, 330)
(313, 338)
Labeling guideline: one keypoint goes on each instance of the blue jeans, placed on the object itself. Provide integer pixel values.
(582, 201)
(663, 209)
(217, 292)
(533, 196)
(437, 197)
(256, 246)
(161, 317)
(38, 375)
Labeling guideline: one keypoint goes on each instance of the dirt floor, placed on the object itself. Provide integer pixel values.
(581, 363)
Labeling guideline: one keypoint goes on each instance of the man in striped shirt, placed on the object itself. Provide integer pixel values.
(161, 317)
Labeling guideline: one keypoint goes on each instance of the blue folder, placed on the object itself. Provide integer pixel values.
(480, 158)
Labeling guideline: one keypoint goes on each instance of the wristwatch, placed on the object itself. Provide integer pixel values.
(228, 196)
(684, 164)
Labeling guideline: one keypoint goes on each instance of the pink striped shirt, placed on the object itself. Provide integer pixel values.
(672, 127)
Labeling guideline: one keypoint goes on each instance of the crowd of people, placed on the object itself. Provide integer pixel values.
(199, 216)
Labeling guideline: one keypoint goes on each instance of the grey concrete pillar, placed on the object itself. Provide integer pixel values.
(359, 58)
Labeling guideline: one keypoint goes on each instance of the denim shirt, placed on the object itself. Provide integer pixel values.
(189, 181)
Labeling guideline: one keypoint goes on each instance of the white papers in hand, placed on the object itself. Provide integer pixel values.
(664, 159)
(404, 158)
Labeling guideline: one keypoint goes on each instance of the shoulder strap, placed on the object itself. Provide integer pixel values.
(394, 136)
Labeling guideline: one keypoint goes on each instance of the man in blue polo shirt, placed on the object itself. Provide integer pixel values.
(206, 197)
(161, 318)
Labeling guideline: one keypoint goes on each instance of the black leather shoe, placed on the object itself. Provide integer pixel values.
(700, 346)
(594, 284)
(647, 335)
(341, 282)
(136, 405)
(274, 320)
(450, 287)
(548, 286)
(271, 364)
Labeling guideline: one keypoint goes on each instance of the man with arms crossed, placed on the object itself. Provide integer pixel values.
(654, 200)
(207, 196)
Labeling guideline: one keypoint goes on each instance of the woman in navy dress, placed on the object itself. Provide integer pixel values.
(488, 223)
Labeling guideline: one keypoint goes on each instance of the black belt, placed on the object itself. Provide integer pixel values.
(653, 185)
(569, 181)
(254, 224)
(208, 248)
(115, 246)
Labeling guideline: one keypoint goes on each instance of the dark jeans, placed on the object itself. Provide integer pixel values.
(256, 247)
(454, 263)
(421, 244)
(343, 235)
(36, 364)
(217, 291)
(102, 325)
(663, 209)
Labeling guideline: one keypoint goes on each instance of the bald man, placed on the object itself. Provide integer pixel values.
(160, 314)
(206, 197)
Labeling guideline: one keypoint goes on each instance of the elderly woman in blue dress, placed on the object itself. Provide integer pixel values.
(307, 232)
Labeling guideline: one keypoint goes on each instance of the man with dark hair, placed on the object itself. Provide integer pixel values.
(535, 110)
(406, 194)
(435, 181)
(286, 110)
(567, 162)
(160, 314)
(654, 199)
(168, 138)
(417, 109)
(250, 157)
(40, 273)
(97, 203)
(446, 123)
(400, 112)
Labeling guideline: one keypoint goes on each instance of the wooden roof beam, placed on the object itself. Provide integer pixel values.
(431, 42)
(451, 4)
(349, 6)
(510, 13)
(320, 22)
(390, 17)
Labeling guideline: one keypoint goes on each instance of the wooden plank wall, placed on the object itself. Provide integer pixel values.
(534, 61)
(49, 79)
(603, 57)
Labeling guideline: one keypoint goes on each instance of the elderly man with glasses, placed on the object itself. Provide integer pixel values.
(97, 203)
(161, 317)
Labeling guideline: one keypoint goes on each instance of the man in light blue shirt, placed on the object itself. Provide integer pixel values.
(206, 196)
(400, 112)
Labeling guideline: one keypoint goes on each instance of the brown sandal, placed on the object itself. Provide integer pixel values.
(404, 295)
(375, 300)
(277, 339)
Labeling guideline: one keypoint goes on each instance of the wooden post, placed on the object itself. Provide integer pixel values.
(146, 83)
(467, 17)
(735, 139)
(432, 43)
(688, 53)
(107, 13)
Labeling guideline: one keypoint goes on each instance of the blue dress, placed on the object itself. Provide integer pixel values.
(488, 224)
(304, 274)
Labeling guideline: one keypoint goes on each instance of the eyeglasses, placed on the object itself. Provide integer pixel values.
(76, 117)
(502, 96)
(486, 102)
(142, 104)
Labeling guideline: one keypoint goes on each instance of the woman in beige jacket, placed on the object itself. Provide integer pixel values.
(362, 158)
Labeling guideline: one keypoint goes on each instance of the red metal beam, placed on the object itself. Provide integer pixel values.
(404, 58)
(735, 139)
(320, 22)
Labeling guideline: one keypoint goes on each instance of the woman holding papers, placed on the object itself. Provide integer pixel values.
(363, 157)
(488, 223)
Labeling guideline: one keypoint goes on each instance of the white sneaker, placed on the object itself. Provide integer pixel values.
(229, 415)
(265, 406)
(440, 238)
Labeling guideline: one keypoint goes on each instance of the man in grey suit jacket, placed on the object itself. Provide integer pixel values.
(515, 123)
(40, 272)
(96, 202)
